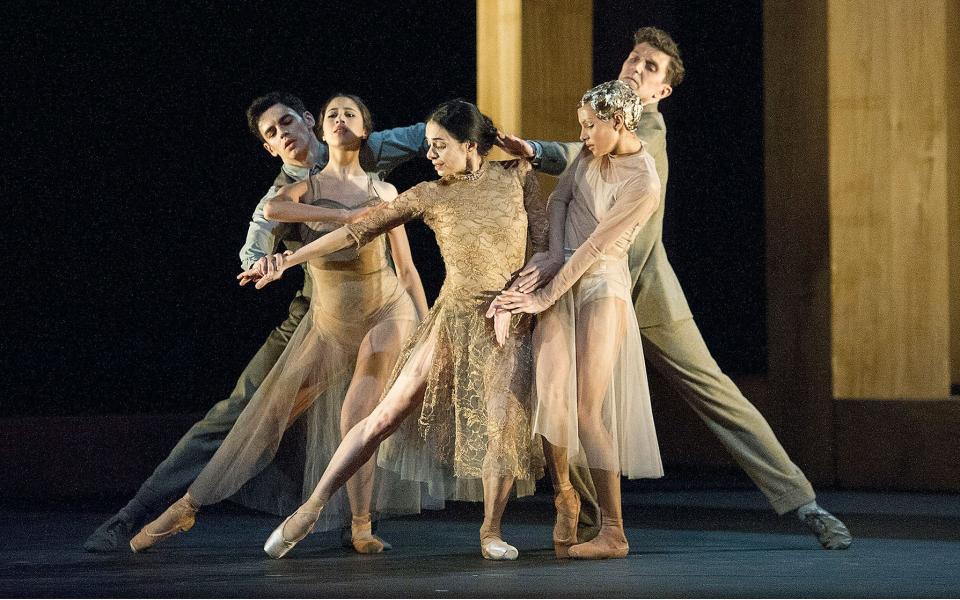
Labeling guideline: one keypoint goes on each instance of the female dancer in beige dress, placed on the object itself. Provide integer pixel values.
(593, 405)
(338, 360)
(473, 395)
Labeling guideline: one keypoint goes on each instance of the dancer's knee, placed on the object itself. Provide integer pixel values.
(379, 425)
(588, 418)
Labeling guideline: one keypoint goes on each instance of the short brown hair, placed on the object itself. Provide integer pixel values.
(260, 105)
(662, 41)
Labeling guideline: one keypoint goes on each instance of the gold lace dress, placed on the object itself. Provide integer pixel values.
(283, 440)
(475, 417)
(587, 343)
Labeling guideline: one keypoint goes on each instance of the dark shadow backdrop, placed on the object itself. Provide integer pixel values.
(131, 176)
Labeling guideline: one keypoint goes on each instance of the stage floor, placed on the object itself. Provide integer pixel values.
(718, 543)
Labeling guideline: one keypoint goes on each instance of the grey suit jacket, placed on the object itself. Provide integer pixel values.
(657, 295)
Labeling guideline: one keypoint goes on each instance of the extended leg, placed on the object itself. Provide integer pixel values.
(375, 360)
(677, 350)
(172, 476)
(356, 448)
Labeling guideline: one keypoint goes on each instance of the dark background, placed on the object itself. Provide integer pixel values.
(130, 176)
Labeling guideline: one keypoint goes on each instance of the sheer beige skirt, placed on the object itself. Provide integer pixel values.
(587, 345)
(346, 345)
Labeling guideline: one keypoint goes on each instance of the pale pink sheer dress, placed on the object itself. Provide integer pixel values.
(591, 328)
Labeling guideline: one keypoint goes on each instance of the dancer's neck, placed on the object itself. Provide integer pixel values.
(344, 163)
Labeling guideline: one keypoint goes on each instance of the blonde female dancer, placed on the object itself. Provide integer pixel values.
(593, 405)
(338, 360)
(473, 395)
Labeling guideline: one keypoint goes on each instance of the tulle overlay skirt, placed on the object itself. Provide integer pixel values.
(282, 442)
(475, 418)
(596, 317)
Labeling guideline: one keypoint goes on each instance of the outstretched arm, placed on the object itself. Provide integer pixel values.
(287, 207)
(392, 147)
(381, 220)
(552, 158)
(327, 244)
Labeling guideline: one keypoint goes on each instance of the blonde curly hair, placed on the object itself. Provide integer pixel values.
(612, 97)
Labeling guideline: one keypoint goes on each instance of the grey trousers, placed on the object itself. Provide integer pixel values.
(677, 351)
(174, 475)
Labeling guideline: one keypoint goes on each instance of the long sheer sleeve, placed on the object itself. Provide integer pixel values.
(638, 199)
(405, 207)
(538, 224)
(558, 205)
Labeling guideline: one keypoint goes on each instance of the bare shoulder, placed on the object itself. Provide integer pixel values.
(385, 190)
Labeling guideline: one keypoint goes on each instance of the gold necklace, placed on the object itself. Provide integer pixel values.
(471, 176)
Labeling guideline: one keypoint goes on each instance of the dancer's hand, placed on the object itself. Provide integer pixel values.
(517, 302)
(514, 145)
(501, 322)
(265, 270)
(266, 264)
(501, 326)
(540, 269)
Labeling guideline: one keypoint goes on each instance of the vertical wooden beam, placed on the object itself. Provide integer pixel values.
(557, 66)
(953, 179)
(863, 235)
(797, 225)
(534, 61)
(888, 203)
(499, 61)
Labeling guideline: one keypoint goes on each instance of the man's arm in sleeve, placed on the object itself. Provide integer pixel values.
(261, 234)
(553, 158)
(392, 147)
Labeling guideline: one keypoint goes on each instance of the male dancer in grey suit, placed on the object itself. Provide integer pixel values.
(671, 341)
(284, 126)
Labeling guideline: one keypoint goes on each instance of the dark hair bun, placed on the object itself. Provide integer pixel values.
(466, 123)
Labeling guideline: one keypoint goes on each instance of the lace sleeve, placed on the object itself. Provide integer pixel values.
(538, 224)
(638, 200)
(408, 205)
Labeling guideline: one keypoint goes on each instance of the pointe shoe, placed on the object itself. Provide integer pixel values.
(362, 538)
(346, 536)
(277, 546)
(492, 546)
(179, 517)
(611, 542)
(497, 549)
(567, 503)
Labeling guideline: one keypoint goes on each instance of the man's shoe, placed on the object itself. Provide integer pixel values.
(112, 533)
(830, 531)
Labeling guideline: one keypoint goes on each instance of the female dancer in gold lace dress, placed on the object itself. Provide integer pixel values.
(474, 395)
(338, 360)
(593, 405)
